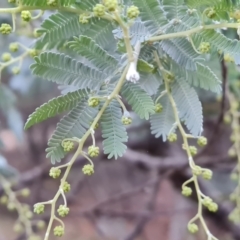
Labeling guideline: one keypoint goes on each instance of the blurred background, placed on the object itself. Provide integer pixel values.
(137, 196)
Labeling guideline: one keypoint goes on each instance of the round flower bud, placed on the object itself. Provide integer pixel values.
(234, 177)
(186, 191)
(207, 174)
(204, 47)
(169, 77)
(83, 18)
(158, 108)
(67, 146)
(5, 29)
(207, 201)
(15, 70)
(25, 192)
(66, 187)
(37, 33)
(18, 228)
(41, 225)
(236, 14)
(33, 53)
(192, 228)
(133, 12)
(197, 170)
(126, 120)
(202, 141)
(99, 10)
(213, 207)
(172, 137)
(58, 231)
(93, 151)
(55, 172)
(29, 214)
(26, 16)
(193, 150)
(39, 208)
(233, 197)
(234, 216)
(210, 13)
(93, 102)
(111, 5)
(227, 119)
(6, 57)
(228, 58)
(63, 211)
(4, 200)
(52, 3)
(13, 47)
(88, 169)
(232, 153)
(11, 206)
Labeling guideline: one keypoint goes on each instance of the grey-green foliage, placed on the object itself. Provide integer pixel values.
(102, 58)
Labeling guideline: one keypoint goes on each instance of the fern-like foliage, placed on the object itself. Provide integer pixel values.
(56, 106)
(181, 51)
(89, 49)
(61, 27)
(175, 9)
(141, 103)
(42, 3)
(162, 123)
(63, 69)
(189, 106)
(75, 124)
(113, 131)
(151, 14)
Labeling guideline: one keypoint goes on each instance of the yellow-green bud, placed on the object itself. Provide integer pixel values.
(83, 18)
(197, 170)
(25, 192)
(15, 70)
(67, 146)
(52, 3)
(5, 29)
(193, 150)
(204, 47)
(132, 12)
(33, 53)
(41, 225)
(228, 58)
(158, 108)
(39, 208)
(29, 214)
(63, 211)
(4, 200)
(111, 5)
(18, 228)
(227, 119)
(207, 174)
(58, 231)
(234, 176)
(93, 102)
(11, 206)
(6, 57)
(93, 151)
(55, 172)
(66, 187)
(88, 169)
(207, 201)
(13, 47)
(172, 137)
(186, 191)
(202, 141)
(169, 77)
(210, 13)
(99, 10)
(26, 16)
(232, 153)
(192, 228)
(126, 120)
(213, 207)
